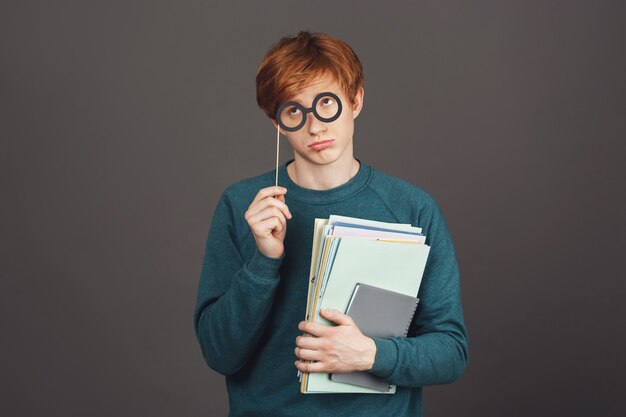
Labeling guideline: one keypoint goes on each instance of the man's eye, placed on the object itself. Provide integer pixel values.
(327, 100)
(293, 111)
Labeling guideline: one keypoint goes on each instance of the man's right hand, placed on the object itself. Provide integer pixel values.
(267, 217)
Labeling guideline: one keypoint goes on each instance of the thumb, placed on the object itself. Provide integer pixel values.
(336, 316)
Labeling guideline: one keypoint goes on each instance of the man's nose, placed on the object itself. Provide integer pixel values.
(315, 126)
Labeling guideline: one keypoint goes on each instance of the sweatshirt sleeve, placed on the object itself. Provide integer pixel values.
(234, 297)
(436, 350)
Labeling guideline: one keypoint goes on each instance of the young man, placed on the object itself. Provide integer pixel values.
(254, 281)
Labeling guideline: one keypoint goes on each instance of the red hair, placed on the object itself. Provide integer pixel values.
(294, 62)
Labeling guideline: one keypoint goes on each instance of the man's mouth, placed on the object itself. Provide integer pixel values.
(322, 144)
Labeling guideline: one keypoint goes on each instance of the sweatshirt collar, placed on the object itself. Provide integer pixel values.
(332, 195)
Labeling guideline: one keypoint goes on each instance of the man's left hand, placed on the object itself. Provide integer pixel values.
(335, 349)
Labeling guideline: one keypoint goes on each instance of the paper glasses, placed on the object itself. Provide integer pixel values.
(326, 107)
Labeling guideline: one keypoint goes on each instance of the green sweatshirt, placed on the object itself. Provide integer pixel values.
(249, 305)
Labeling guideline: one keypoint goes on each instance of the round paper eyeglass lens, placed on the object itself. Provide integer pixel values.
(326, 107)
(291, 116)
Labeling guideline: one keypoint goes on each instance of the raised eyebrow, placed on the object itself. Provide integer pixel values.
(290, 103)
(316, 94)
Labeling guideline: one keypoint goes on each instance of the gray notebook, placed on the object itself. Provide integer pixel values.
(378, 313)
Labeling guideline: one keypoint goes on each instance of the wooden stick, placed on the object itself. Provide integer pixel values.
(277, 150)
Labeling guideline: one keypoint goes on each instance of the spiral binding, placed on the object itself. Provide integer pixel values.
(408, 325)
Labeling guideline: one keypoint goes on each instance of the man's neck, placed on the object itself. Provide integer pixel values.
(323, 177)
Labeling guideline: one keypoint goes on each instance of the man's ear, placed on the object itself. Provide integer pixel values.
(358, 102)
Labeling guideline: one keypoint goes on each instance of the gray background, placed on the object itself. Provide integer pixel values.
(122, 122)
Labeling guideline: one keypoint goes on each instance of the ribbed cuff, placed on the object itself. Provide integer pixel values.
(264, 266)
(386, 357)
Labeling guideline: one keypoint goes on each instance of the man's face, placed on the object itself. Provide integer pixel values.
(323, 143)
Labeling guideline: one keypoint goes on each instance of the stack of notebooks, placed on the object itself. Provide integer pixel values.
(371, 271)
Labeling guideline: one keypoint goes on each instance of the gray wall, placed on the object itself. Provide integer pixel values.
(122, 122)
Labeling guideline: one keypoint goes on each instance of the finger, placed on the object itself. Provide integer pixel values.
(268, 226)
(310, 366)
(308, 342)
(308, 354)
(336, 316)
(261, 205)
(265, 203)
(315, 329)
(268, 192)
(266, 214)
